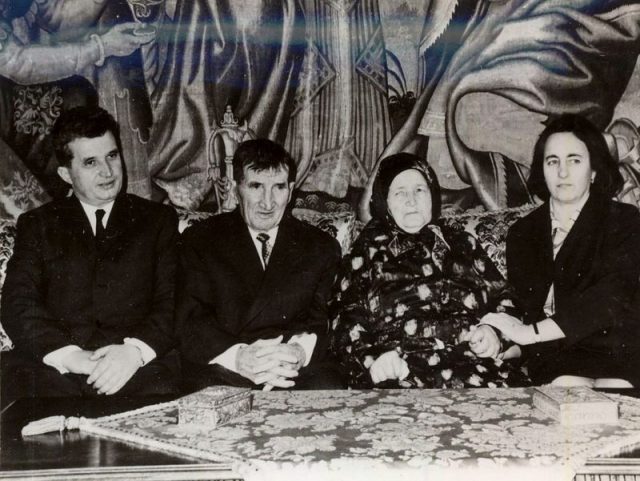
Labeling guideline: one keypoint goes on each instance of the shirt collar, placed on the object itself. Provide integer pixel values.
(555, 223)
(272, 233)
(90, 212)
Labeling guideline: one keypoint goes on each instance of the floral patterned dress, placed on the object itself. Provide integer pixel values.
(419, 294)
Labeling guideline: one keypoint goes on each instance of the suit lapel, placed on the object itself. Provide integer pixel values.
(122, 219)
(282, 261)
(75, 223)
(540, 255)
(243, 255)
(578, 248)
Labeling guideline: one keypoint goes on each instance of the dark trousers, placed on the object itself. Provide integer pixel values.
(320, 375)
(23, 377)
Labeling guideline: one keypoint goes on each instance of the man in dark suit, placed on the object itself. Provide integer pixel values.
(254, 284)
(89, 294)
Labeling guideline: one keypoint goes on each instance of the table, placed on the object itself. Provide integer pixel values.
(327, 435)
(76, 455)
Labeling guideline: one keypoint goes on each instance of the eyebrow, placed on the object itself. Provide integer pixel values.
(554, 156)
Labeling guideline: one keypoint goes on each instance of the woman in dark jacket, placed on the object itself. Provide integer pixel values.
(575, 264)
(410, 293)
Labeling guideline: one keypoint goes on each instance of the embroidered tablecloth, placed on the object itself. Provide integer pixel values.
(387, 434)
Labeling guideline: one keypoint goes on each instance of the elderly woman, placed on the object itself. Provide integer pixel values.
(411, 291)
(575, 265)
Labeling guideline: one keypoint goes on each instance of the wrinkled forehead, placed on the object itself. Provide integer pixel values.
(408, 178)
(270, 175)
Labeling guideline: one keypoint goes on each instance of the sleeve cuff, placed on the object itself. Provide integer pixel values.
(55, 358)
(308, 343)
(228, 358)
(147, 353)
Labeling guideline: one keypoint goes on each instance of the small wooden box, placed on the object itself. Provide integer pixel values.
(214, 405)
(575, 405)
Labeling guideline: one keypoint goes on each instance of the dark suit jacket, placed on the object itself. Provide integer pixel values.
(61, 288)
(595, 275)
(225, 297)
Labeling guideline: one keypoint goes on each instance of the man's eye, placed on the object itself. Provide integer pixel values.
(89, 162)
(113, 155)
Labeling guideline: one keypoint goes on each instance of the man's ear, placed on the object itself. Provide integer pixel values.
(63, 172)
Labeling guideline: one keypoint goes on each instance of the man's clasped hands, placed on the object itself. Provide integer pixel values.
(109, 368)
(270, 362)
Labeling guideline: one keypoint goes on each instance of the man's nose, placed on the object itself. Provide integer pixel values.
(267, 198)
(105, 169)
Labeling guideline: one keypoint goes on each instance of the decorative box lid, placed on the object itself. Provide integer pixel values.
(215, 396)
(573, 395)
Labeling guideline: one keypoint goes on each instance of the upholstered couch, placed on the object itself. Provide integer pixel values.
(489, 227)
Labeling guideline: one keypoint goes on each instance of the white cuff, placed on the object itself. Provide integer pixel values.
(147, 353)
(228, 358)
(308, 343)
(55, 358)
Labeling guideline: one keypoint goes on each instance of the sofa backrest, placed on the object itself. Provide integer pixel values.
(489, 227)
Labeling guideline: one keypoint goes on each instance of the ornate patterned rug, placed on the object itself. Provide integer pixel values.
(380, 434)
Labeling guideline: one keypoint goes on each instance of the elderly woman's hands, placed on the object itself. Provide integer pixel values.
(388, 366)
(513, 329)
(484, 342)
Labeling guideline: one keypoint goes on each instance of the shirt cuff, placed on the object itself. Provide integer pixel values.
(55, 358)
(147, 353)
(308, 343)
(228, 358)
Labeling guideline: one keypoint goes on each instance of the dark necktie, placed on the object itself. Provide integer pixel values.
(266, 248)
(99, 226)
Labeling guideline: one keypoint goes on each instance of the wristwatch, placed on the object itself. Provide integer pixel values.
(536, 333)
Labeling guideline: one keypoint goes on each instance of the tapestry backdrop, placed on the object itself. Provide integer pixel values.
(467, 84)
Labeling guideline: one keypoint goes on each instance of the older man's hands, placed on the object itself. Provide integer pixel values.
(271, 362)
(115, 365)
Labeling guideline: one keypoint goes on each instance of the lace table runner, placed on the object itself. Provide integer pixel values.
(394, 434)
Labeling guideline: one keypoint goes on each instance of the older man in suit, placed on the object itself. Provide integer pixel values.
(254, 283)
(89, 294)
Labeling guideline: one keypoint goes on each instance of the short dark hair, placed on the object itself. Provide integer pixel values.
(260, 155)
(608, 180)
(81, 122)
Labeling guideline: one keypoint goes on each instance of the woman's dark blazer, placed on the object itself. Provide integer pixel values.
(596, 277)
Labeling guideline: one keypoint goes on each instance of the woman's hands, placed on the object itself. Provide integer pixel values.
(388, 366)
(484, 342)
(511, 327)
